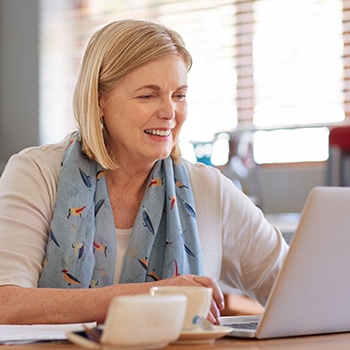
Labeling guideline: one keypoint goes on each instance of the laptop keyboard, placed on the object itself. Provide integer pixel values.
(243, 325)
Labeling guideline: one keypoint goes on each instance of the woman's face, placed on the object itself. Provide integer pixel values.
(145, 112)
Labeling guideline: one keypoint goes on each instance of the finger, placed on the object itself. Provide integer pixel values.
(215, 313)
(211, 318)
(218, 296)
(219, 299)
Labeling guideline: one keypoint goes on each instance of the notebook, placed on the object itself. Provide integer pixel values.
(311, 294)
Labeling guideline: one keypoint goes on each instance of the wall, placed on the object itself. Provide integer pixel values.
(284, 188)
(19, 98)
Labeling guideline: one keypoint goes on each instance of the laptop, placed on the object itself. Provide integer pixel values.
(311, 294)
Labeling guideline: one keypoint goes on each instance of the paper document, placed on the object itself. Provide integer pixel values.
(22, 334)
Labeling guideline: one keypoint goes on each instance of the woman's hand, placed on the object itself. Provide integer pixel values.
(192, 280)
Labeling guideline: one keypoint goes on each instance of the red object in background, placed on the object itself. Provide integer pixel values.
(338, 173)
(339, 136)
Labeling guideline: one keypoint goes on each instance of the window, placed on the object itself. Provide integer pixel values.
(298, 70)
(276, 66)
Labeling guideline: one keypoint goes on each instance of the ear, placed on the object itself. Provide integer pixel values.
(101, 103)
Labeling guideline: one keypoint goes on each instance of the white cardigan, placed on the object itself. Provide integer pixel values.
(240, 248)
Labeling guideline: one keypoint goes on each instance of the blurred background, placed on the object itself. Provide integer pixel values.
(270, 80)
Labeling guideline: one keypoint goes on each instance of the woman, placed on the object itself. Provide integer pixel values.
(113, 209)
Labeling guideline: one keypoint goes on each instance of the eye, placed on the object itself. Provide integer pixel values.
(146, 96)
(180, 96)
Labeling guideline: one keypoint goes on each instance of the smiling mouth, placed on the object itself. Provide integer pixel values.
(158, 132)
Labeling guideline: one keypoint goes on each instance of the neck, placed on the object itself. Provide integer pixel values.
(126, 190)
(121, 178)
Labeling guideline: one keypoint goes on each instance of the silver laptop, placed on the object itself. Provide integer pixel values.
(312, 292)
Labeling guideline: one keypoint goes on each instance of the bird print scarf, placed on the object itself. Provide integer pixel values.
(81, 248)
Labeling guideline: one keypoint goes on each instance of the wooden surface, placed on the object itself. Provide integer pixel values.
(321, 342)
(240, 305)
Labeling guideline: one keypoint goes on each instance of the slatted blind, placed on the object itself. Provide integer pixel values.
(346, 56)
(244, 23)
(207, 28)
(270, 63)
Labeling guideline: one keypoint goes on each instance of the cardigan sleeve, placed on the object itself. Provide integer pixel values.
(240, 249)
(27, 194)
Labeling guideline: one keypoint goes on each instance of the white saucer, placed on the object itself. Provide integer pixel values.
(89, 344)
(201, 336)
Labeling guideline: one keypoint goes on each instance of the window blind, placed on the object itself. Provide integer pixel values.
(346, 56)
(268, 63)
(206, 26)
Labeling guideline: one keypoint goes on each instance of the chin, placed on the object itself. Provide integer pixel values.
(164, 155)
(158, 154)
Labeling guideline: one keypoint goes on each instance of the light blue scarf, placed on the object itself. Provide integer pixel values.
(81, 248)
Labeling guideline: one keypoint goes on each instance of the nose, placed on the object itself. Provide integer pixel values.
(166, 109)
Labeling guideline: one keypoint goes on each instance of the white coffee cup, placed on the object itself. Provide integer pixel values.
(198, 303)
(143, 321)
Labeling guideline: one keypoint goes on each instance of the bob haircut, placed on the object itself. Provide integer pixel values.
(111, 54)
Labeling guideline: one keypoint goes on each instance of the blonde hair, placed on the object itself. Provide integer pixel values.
(112, 53)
